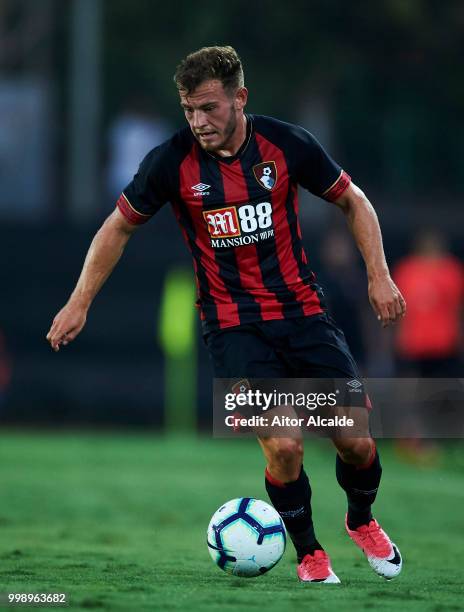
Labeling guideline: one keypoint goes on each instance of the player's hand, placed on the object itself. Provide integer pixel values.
(386, 300)
(67, 324)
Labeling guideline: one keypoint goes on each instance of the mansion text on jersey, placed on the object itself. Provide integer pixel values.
(219, 243)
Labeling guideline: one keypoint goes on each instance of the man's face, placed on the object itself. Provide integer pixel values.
(212, 114)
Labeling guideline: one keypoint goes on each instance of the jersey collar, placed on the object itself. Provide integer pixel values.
(242, 149)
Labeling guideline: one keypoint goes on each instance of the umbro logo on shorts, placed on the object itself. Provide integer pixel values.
(355, 385)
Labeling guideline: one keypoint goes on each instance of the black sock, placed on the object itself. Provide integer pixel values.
(292, 500)
(360, 484)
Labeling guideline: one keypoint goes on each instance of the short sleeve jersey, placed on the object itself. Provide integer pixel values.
(239, 217)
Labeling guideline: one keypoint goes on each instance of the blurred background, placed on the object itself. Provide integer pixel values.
(86, 91)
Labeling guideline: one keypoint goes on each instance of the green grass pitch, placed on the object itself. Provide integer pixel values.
(118, 521)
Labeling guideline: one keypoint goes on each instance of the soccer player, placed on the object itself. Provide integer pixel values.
(232, 179)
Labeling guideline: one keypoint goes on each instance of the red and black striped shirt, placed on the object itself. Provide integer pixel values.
(239, 217)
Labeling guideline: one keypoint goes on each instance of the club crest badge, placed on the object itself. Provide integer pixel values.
(242, 386)
(266, 174)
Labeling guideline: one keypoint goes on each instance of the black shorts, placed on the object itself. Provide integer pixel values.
(302, 347)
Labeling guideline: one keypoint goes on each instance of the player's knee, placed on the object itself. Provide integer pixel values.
(287, 452)
(356, 451)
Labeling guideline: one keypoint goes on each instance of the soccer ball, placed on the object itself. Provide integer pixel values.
(246, 537)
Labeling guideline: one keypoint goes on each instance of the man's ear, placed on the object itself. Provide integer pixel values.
(241, 98)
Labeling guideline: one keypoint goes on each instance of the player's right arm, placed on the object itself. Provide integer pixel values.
(102, 256)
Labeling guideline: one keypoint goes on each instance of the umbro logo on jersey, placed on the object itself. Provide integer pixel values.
(266, 174)
(200, 189)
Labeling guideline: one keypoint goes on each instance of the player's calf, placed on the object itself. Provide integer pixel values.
(360, 481)
(289, 490)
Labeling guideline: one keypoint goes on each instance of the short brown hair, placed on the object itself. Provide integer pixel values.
(221, 63)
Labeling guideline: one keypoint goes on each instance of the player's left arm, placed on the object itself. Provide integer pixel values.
(384, 295)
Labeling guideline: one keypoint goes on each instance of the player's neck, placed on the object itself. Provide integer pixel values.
(236, 140)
